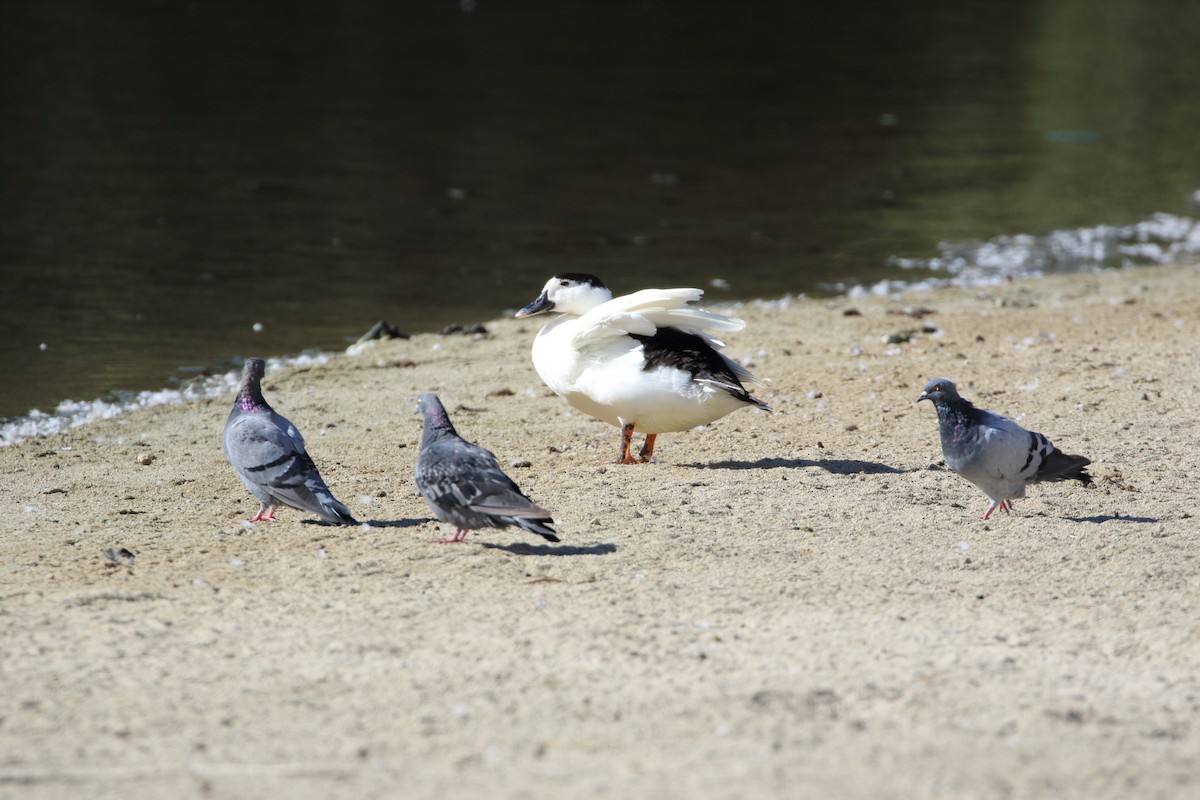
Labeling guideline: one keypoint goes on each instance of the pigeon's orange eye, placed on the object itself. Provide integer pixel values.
(937, 388)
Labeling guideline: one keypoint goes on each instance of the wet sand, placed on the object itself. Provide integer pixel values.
(802, 603)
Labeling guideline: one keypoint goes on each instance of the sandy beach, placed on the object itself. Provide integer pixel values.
(797, 604)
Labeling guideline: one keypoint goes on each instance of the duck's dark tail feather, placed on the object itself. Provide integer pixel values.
(758, 403)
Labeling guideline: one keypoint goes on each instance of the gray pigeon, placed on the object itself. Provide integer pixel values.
(267, 453)
(464, 485)
(995, 453)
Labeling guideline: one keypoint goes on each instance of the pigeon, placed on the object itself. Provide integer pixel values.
(267, 453)
(995, 453)
(641, 362)
(464, 485)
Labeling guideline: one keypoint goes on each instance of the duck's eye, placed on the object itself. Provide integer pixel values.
(564, 283)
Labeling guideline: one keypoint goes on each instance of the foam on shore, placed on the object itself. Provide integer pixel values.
(74, 413)
(1161, 240)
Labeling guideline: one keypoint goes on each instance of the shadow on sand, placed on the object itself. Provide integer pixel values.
(374, 523)
(838, 466)
(1101, 518)
(526, 549)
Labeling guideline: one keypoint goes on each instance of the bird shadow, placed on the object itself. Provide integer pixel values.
(838, 466)
(526, 549)
(1102, 518)
(374, 523)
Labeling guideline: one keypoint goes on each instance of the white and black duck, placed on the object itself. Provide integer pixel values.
(643, 362)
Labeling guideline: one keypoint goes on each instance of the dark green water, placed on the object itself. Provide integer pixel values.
(172, 173)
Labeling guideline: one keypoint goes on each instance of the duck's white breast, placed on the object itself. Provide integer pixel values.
(556, 361)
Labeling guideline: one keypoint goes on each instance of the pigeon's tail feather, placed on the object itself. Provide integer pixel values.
(1080, 474)
(315, 500)
(333, 510)
(537, 526)
(302, 487)
(1058, 466)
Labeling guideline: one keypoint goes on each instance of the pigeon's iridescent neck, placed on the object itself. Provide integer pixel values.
(250, 404)
(437, 426)
(955, 421)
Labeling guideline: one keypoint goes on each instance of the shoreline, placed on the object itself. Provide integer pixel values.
(69, 413)
(1159, 239)
(804, 602)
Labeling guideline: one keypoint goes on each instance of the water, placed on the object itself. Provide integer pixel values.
(174, 174)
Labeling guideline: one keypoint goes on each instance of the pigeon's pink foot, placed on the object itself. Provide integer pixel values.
(264, 515)
(1003, 505)
(458, 536)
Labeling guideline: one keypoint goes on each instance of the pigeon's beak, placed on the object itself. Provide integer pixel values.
(922, 396)
(543, 303)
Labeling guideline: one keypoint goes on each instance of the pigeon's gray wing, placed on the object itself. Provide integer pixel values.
(1009, 450)
(465, 482)
(238, 452)
(456, 472)
(1004, 457)
(268, 454)
(993, 453)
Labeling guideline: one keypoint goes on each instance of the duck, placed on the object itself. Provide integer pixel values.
(643, 362)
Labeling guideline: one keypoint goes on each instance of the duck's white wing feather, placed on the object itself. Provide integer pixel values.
(644, 312)
(744, 375)
(697, 319)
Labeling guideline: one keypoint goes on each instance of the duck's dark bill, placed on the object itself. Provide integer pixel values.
(536, 307)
